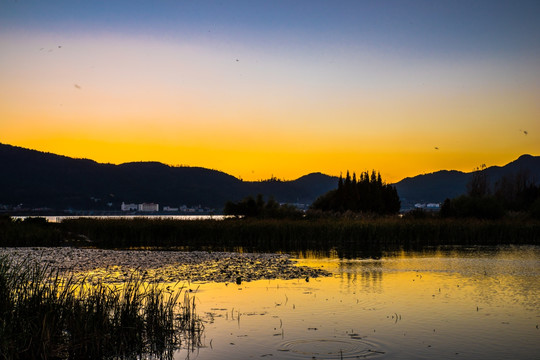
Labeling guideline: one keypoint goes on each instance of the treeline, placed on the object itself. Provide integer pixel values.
(257, 208)
(369, 194)
(516, 193)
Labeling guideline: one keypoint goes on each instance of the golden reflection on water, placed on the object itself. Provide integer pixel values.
(477, 304)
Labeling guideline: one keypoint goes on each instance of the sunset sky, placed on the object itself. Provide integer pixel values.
(282, 88)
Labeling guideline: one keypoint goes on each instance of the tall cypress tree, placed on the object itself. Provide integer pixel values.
(370, 194)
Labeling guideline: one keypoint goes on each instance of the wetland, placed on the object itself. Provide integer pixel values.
(330, 289)
(445, 302)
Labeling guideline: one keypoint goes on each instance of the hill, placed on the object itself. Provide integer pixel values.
(38, 179)
(438, 186)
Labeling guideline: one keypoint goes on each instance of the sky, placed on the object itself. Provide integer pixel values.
(274, 88)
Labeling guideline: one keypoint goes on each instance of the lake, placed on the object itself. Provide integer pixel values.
(440, 303)
(60, 218)
(474, 303)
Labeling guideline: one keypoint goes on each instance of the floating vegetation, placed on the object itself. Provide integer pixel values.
(112, 266)
(48, 314)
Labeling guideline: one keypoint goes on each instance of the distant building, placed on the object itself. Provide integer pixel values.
(129, 207)
(429, 206)
(148, 207)
(168, 208)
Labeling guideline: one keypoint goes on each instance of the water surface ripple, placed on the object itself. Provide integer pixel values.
(448, 303)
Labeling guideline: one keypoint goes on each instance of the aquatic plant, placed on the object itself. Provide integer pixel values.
(354, 236)
(44, 314)
(33, 231)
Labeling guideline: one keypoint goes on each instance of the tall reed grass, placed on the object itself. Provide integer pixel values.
(44, 315)
(31, 232)
(341, 235)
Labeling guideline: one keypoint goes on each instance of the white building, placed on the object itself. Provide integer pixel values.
(129, 207)
(429, 206)
(148, 207)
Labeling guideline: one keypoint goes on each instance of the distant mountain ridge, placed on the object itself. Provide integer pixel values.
(38, 179)
(438, 186)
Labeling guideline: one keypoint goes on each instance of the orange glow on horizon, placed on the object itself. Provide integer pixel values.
(265, 115)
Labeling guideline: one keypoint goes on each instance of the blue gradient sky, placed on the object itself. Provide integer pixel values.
(260, 88)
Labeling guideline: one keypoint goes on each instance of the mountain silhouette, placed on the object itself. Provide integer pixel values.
(38, 179)
(438, 186)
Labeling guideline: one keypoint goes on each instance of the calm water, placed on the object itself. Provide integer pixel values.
(454, 304)
(57, 219)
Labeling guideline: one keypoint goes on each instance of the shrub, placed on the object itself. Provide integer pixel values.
(486, 207)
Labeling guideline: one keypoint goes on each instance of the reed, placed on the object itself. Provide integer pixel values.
(31, 232)
(270, 235)
(325, 234)
(44, 314)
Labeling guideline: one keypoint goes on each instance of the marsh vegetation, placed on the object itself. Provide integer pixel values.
(349, 235)
(51, 315)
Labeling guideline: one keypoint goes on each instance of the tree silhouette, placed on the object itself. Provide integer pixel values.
(478, 186)
(258, 208)
(513, 192)
(366, 194)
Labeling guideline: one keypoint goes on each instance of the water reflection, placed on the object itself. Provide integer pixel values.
(60, 218)
(466, 302)
(475, 303)
(367, 274)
